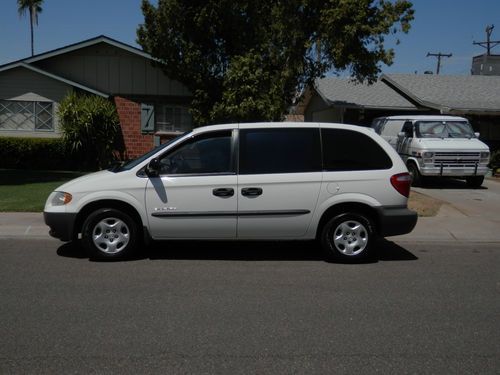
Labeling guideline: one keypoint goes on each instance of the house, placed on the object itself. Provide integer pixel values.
(150, 105)
(476, 97)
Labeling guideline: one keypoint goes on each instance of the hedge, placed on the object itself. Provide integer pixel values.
(37, 153)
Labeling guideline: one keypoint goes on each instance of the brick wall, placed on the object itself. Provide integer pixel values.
(129, 113)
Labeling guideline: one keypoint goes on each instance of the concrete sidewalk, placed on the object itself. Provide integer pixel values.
(449, 224)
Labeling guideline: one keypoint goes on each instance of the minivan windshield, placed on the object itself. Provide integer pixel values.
(134, 162)
(444, 129)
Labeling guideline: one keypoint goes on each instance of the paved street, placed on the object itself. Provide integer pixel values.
(249, 308)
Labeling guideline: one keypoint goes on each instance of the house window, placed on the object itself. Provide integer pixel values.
(170, 118)
(26, 116)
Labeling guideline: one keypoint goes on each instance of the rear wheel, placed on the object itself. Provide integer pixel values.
(348, 237)
(474, 181)
(109, 234)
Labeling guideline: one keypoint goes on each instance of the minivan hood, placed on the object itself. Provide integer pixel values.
(464, 144)
(87, 182)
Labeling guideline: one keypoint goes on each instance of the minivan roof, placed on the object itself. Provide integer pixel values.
(424, 118)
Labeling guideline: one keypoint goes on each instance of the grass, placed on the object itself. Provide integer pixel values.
(27, 190)
(424, 205)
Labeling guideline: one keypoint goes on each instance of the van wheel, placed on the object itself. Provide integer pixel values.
(348, 238)
(416, 177)
(474, 181)
(109, 234)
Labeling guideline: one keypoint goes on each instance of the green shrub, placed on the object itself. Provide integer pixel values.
(90, 125)
(36, 153)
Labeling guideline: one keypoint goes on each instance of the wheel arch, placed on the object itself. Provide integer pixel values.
(345, 208)
(90, 207)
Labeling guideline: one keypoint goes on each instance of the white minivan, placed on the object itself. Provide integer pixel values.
(436, 146)
(341, 184)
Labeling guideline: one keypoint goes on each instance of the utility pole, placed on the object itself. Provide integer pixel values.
(489, 44)
(439, 55)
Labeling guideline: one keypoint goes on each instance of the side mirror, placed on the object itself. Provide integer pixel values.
(476, 134)
(401, 135)
(153, 168)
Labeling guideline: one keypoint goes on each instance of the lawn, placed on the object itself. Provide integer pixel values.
(26, 190)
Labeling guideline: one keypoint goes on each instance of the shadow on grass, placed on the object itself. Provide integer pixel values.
(24, 177)
(242, 251)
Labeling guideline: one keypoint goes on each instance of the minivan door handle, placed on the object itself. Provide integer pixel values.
(251, 191)
(223, 192)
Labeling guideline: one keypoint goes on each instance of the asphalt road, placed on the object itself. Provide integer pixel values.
(249, 308)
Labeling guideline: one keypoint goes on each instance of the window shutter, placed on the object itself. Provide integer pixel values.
(147, 118)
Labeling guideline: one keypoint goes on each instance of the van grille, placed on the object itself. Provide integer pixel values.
(456, 159)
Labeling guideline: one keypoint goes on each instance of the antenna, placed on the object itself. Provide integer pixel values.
(439, 55)
(489, 44)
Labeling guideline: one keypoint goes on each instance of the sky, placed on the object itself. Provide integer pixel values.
(446, 26)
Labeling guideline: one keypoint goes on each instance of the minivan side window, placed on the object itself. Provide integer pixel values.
(347, 150)
(279, 150)
(207, 153)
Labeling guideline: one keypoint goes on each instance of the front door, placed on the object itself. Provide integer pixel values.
(195, 194)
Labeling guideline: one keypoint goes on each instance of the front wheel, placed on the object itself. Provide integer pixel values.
(474, 181)
(348, 237)
(109, 234)
(416, 177)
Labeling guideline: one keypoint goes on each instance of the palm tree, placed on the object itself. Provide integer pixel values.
(34, 7)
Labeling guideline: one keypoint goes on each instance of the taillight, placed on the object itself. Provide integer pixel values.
(401, 183)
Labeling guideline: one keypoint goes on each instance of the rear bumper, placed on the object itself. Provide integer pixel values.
(61, 224)
(396, 220)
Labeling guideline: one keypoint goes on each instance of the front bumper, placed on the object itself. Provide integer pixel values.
(453, 172)
(61, 224)
(395, 220)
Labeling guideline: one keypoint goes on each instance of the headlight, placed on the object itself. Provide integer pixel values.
(427, 155)
(485, 155)
(60, 198)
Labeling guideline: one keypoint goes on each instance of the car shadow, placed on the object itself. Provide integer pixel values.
(242, 251)
(448, 183)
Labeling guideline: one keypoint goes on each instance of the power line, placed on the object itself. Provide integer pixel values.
(439, 55)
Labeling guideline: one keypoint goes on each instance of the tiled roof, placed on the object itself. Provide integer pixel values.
(474, 93)
(345, 92)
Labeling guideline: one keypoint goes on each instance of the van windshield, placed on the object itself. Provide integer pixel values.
(444, 129)
(134, 162)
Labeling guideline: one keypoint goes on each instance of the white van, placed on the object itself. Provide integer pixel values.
(436, 146)
(266, 181)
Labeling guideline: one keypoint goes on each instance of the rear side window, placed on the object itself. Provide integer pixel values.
(279, 151)
(347, 150)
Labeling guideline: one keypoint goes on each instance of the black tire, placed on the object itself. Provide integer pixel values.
(416, 177)
(474, 181)
(109, 234)
(348, 237)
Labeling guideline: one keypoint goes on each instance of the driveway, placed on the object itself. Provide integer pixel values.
(483, 202)
(468, 215)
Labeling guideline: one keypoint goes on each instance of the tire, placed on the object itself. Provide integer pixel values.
(416, 177)
(109, 234)
(348, 238)
(474, 181)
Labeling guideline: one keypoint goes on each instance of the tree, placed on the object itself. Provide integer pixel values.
(90, 126)
(34, 7)
(245, 60)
